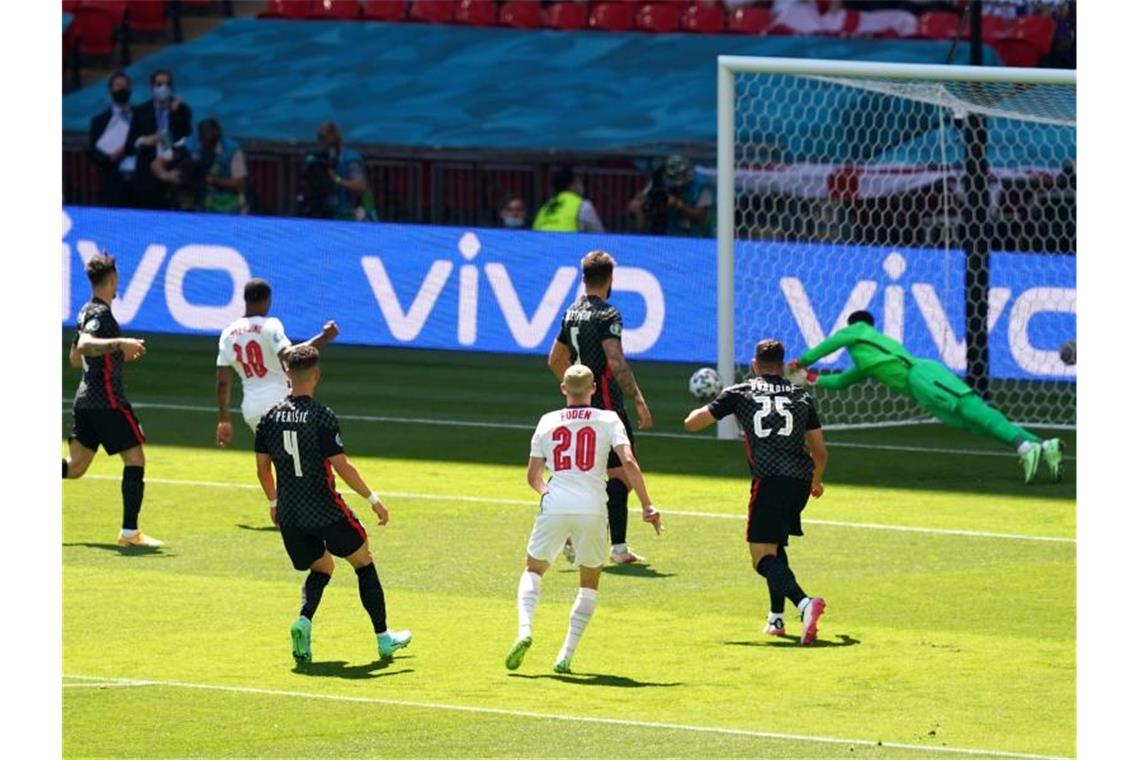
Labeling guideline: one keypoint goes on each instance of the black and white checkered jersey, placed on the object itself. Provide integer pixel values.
(775, 415)
(101, 385)
(588, 323)
(300, 435)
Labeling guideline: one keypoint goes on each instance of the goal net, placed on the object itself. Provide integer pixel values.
(942, 199)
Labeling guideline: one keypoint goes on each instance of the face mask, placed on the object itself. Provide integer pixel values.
(122, 97)
(511, 221)
(162, 92)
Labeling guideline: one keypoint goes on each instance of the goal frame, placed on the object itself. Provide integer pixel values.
(728, 66)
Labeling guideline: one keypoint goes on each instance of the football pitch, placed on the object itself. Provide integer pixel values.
(950, 627)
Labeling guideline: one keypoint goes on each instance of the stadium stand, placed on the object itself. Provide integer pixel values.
(335, 10)
(522, 14)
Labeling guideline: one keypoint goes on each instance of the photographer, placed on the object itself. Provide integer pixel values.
(335, 184)
(677, 202)
(205, 173)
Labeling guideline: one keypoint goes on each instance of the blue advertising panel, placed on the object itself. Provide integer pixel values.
(505, 291)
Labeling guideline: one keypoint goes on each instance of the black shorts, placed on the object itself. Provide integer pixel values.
(115, 429)
(614, 461)
(306, 545)
(774, 509)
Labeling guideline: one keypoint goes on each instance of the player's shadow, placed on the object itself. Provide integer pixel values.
(595, 679)
(126, 551)
(842, 640)
(629, 571)
(258, 528)
(341, 669)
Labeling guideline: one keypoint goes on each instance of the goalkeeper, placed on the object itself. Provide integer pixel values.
(936, 389)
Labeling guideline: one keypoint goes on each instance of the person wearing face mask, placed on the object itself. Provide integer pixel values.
(157, 126)
(568, 210)
(107, 143)
(353, 197)
(513, 213)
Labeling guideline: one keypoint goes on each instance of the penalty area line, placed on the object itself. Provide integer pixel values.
(666, 510)
(504, 712)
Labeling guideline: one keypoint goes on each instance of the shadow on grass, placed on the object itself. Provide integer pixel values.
(636, 571)
(126, 551)
(842, 640)
(595, 679)
(341, 669)
(258, 528)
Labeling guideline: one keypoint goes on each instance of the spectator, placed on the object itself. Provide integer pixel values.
(107, 143)
(348, 197)
(206, 174)
(513, 212)
(677, 201)
(805, 17)
(157, 126)
(568, 210)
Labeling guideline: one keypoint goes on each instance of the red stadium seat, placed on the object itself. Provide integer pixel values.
(147, 16)
(116, 9)
(749, 20)
(993, 28)
(1037, 31)
(290, 9)
(658, 17)
(69, 6)
(937, 25)
(612, 17)
(703, 19)
(571, 15)
(432, 11)
(95, 29)
(384, 10)
(476, 12)
(335, 10)
(521, 14)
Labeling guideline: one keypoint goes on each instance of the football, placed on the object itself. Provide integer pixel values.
(705, 383)
(1068, 353)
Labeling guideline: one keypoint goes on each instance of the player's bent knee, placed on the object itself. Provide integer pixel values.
(324, 564)
(134, 457)
(536, 566)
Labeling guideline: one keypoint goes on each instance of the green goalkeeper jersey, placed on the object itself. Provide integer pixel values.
(873, 354)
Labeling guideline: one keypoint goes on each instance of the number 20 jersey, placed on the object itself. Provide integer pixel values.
(250, 345)
(774, 415)
(576, 442)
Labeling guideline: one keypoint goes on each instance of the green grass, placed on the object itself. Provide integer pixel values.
(931, 639)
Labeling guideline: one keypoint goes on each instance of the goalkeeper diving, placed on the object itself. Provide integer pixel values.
(934, 387)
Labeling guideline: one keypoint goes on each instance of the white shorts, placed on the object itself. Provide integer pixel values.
(254, 410)
(589, 533)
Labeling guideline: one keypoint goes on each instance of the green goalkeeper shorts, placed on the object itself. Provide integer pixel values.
(937, 389)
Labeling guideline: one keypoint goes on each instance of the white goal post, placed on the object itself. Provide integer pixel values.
(941, 198)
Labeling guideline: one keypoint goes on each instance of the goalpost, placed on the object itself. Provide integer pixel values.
(940, 198)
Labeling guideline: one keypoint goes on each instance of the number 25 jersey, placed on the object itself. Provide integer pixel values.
(576, 442)
(250, 345)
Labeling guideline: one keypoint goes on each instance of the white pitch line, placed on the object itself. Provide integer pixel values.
(679, 436)
(498, 711)
(666, 510)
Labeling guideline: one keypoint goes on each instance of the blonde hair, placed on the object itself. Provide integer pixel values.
(578, 378)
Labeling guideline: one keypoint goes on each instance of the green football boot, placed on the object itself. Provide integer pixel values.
(389, 641)
(518, 652)
(1051, 453)
(562, 666)
(1030, 461)
(302, 633)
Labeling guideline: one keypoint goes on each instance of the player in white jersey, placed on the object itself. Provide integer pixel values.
(254, 347)
(574, 443)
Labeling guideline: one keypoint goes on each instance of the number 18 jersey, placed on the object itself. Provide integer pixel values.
(250, 345)
(576, 442)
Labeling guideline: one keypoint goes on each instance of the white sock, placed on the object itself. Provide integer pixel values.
(619, 548)
(580, 615)
(529, 586)
(128, 533)
(776, 616)
(1024, 448)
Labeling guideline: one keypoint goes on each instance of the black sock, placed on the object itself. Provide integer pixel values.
(65, 469)
(132, 488)
(781, 578)
(311, 591)
(776, 603)
(372, 596)
(617, 504)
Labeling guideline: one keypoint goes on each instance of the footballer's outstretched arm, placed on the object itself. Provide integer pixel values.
(222, 390)
(327, 334)
(265, 477)
(843, 379)
(89, 345)
(623, 373)
(818, 450)
(559, 359)
(633, 476)
(351, 476)
(841, 339)
(534, 475)
(699, 419)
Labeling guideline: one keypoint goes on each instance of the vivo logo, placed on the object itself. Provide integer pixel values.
(528, 331)
(1037, 360)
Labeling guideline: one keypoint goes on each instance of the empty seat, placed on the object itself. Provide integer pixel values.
(116, 9)
(993, 28)
(290, 9)
(938, 25)
(658, 17)
(432, 11)
(335, 10)
(567, 15)
(95, 29)
(749, 20)
(1036, 30)
(521, 14)
(476, 12)
(612, 17)
(703, 19)
(384, 10)
(147, 16)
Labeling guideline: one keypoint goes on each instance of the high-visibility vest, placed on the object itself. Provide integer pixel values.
(559, 214)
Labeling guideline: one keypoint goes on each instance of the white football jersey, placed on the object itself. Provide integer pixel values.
(250, 345)
(576, 443)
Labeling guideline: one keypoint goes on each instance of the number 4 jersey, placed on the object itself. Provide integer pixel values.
(251, 346)
(774, 415)
(576, 442)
